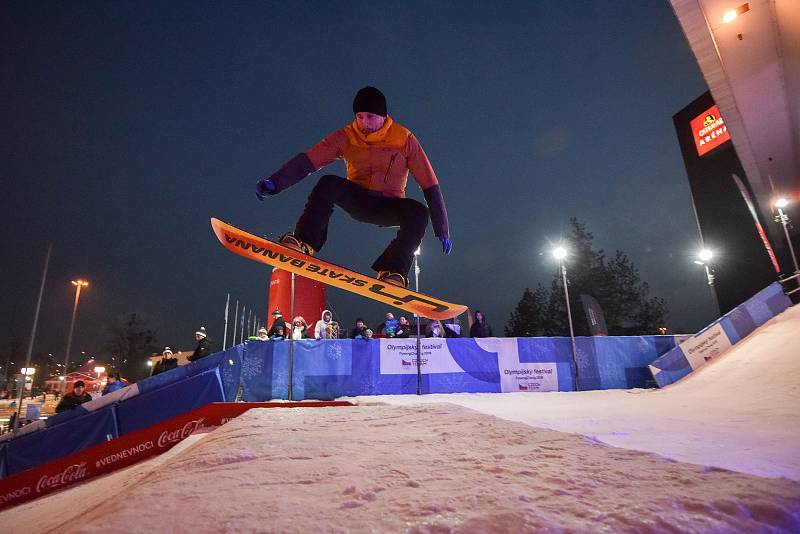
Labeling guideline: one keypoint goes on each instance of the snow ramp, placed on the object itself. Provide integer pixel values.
(427, 468)
(738, 412)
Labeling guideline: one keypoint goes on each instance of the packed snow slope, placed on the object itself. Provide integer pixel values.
(739, 412)
(527, 462)
(428, 468)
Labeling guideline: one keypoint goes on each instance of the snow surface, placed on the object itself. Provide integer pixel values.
(740, 412)
(528, 462)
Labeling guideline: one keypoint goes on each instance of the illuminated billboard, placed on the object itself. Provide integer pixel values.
(709, 130)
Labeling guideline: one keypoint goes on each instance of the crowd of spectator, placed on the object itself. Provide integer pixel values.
(395, 327)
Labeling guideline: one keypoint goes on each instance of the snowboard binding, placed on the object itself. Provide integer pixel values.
(393, 278)
(289, 240)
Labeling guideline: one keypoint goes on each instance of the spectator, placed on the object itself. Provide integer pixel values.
(203, 345)
(360, 329)
(389, 327)
(480, 328)
(368, 334)
(454, 325)
(167, 362)
(326, 327)
(439, 329)
(299, 328)
(403, 327)
(12, 420)
(278, 320)
(278, 332)
(262, 334)
(74, 398)
(116, 382)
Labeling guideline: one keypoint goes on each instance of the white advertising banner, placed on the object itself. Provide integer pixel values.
(709, 344)
(399, 356)
(516, 376)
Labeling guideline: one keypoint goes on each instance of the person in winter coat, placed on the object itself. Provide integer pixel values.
(378, 154)
(299, 328)
(439, 329)
(115, 382)
(326, 327)
(203, 345)
(74, 398)
(480, 328)
(278, 333)
(403, 327)
(278, 321)
(389, 327)
(167, 362)
(359, 330)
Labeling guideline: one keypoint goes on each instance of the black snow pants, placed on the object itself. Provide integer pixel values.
(369, 207)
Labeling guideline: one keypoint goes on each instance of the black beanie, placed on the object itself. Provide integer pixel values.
(371, 100)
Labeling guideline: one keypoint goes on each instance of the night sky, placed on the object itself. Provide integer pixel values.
(127, 125)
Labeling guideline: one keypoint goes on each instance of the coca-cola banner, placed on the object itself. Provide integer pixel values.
(180, 397)
(125, 451)
(48, 444)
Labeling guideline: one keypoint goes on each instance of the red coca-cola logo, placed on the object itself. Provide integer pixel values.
(173, 436)
(70, 474)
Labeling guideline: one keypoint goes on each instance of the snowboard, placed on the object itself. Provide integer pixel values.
(271, 253)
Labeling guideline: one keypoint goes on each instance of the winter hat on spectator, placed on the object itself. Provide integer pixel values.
(201, 332)
(79, 384)
(371, 100)
(167, 350)
(277, 313)
(262, 330)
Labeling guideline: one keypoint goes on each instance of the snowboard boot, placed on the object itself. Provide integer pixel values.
(290, 241)
(393, 278)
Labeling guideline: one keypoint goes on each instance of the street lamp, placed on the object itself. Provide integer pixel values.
(704, 258)
(78, 285)
(417, 254)
(27, 374)
(782, 218)
(560, 253)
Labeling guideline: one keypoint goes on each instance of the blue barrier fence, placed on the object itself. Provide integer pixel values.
(327, 369)
(720, 335)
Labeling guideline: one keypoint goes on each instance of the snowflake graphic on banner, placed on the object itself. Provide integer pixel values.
(251, 367)
(334, 351)
(584, 359)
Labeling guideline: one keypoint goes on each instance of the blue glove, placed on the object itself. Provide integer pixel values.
(265, 187)
(447, 245)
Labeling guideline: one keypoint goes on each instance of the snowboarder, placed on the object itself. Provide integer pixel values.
(378, 154)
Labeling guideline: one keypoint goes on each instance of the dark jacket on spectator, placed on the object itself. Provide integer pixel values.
(165, 364)
(71, 400)
(203, 349)
(273, 331)
(481, 329)
(356, 332)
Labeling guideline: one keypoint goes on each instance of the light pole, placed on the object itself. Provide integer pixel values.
(704, 258)
(784, 220)
(78, 285)
(560, 253)
(416, 316)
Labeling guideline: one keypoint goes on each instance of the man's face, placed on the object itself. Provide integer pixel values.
(78, 390)
(389, 316)
(198, 337)
(360, 324)
(369, 122)
(326, 316)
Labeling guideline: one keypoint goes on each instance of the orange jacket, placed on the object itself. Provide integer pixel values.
(379, 161)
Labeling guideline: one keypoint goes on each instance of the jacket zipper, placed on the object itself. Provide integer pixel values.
(391, 161)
